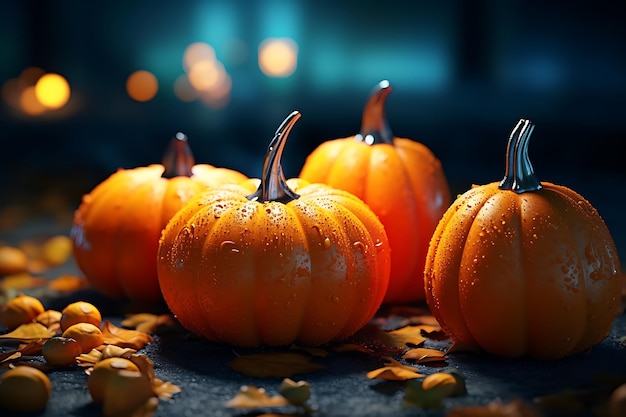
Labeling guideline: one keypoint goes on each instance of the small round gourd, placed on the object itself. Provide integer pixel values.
(274, 262)
(522, 267)
(400, 179)
(117, 226)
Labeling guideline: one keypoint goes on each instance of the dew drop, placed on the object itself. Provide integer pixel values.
(326, 243)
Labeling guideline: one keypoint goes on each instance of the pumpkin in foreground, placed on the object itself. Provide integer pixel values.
(400, 179)
(522, 267)
(274, 262)
(117, 226)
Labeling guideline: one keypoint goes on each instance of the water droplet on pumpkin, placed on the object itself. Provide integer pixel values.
(229, 245)
(326, 243)
(360, 246)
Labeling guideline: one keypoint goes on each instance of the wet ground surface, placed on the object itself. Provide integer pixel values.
(578, 384)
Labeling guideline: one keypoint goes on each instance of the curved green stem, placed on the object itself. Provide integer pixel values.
(374, 125)
(519, 175)
(273, 185)
(178, 159)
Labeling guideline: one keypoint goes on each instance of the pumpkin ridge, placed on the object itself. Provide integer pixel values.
(329, 220)
(474, 213)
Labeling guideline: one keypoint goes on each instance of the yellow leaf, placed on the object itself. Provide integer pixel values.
(28, 332)
(424, 355)
(117, 336)
(394, 371)
(409, 335)
(297, 393)
(134, 320)
(449, 384)
(67, 283)
(252, 397)
(88, 360)
(20, 281)
(274, 364)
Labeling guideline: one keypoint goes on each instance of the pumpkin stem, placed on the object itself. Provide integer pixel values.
(178, 159)
(273, 185)
(374, 125)
(519, 175)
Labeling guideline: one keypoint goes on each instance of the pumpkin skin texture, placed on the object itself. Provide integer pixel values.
(272, 267)
(523, 268)
(400, 179)
(118, 224)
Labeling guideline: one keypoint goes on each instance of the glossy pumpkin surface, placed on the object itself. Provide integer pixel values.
(274, 262)
(522, 267)
(117, 226)
(400, 179)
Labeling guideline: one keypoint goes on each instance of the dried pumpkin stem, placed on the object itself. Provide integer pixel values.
(374, 126)
(178, 160)
(273, 185)
(519, 174)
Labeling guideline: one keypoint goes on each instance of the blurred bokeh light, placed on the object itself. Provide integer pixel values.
(228, 71)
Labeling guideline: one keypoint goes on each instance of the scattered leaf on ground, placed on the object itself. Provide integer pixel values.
(250, 396)
(415, 395)
(28, 332)
(297, 393)
(134, 339)
(425, 355)
(274, 364)
(394, 371)
(88, 360)
(67, 283)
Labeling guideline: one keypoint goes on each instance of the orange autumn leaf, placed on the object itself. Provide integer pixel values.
(88, 360)
(67, 283)
(394, 371)
(409, 335)
(117, 336)
(162, 389)
(274, 364)
(25, 349)
(424, 355)
(29, 332)
(250, 396)
(151, 323)
(21, 281)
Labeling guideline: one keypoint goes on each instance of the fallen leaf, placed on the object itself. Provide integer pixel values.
(88, 360)
(514, 408)
(151, 323)
(274, 364)
(67, 283)
(21, 281)
(117, 336)
(297, 393)
(29, 332)
(394, 371)
(424, 355)
(134, 320)
(406, 336)
(57, 250)
(250, 396)
(451, 383)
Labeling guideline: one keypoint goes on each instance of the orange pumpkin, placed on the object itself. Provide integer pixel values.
(522, 267)
(400, 179)
(291, 262)
(117, 226)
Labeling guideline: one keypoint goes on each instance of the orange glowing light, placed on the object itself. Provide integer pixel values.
(205, 75)
(52, 90)
(12, 92)
(30, 75)
(183, 89)
(219, 96)
(197, 52)
(142, 85)
(278, 57)
(29, 103)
